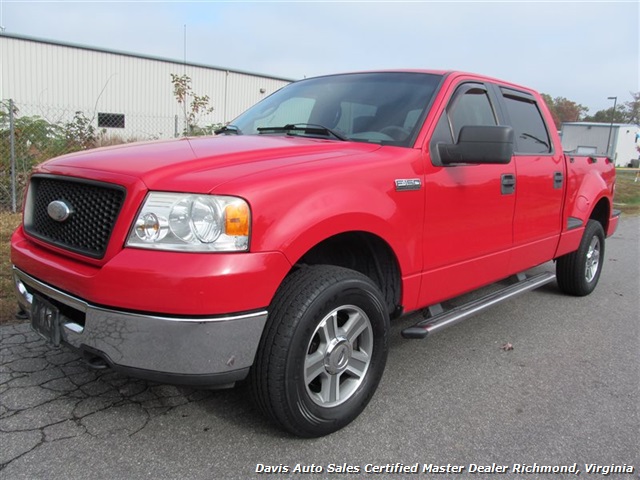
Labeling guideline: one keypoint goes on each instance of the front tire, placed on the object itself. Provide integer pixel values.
(578, 272)
(323, 350)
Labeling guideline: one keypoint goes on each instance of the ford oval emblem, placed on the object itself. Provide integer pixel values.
(59, 211)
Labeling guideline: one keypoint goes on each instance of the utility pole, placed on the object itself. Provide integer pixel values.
(613, 114)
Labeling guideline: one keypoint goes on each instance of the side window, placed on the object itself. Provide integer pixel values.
(469, 105)
(471, 108)
(529, 128)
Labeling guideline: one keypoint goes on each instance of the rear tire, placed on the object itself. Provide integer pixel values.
(578, 272)
(323, 350)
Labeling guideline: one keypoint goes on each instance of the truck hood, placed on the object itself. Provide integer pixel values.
(201, 164)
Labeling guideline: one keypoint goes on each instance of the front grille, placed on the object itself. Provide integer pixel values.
(94, 210)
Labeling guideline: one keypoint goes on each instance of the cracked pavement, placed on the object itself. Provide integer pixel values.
(567, 392)
(48, 394)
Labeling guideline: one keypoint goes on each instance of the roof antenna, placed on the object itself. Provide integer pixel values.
(185, 49)
(2, 27)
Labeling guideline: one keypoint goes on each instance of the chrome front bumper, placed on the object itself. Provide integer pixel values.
(195, 351)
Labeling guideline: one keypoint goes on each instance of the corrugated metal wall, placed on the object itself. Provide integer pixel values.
(47, 79)
(624, 140)
(574, 136)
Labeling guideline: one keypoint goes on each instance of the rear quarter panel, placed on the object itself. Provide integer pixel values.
(590, 185)
(590, 180)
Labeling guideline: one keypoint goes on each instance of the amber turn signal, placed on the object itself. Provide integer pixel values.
(237, 219)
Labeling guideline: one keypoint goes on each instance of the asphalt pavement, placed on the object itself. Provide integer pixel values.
(566, 395)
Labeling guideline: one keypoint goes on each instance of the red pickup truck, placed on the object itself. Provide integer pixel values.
(278, 251)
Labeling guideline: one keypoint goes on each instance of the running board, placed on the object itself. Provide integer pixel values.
(439, 319)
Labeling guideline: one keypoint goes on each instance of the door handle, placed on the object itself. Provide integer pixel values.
(508, 183)
(557, 180)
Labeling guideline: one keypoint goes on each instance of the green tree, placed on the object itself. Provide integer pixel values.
(632, 109)
(193, 106)
(626, 112)
(36, 140)
(606, 116)
(79, 133)
(31, 137)
(564, 110)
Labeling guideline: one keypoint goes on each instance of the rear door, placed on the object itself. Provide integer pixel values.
(540, 181)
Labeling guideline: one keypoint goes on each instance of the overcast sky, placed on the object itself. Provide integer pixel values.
(585, 51)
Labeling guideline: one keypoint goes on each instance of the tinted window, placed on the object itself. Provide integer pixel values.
(472, 108)
(469, 105)
(530, 131)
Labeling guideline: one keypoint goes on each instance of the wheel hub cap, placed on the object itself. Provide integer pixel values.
(337, 356)
(593, 259)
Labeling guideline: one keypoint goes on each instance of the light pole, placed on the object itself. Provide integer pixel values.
(613, 114)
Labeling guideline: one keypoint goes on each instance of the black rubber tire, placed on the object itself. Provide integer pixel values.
(571, 269)
(277, 378)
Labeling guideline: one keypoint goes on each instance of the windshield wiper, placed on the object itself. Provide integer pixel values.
(536, 139)
(228, 130)
(308, 128)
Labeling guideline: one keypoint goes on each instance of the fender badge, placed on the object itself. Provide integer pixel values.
(59, 211)
(403, 184)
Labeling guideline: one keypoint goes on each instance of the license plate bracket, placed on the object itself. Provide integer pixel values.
(45, 320)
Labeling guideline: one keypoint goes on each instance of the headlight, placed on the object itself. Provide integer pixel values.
(191, 223)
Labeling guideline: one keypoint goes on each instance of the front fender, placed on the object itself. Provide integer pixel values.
(331, 211)
(297, 206)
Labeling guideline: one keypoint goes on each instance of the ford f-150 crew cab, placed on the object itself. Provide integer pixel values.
(277, 251)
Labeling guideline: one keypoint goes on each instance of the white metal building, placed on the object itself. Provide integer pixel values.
(129, 94)
(619, 141)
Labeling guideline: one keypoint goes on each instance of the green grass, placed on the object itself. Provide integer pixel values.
(627, 197)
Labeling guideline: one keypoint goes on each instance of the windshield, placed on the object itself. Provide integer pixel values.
(386, 108)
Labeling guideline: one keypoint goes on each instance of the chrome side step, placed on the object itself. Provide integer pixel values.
(439, 319)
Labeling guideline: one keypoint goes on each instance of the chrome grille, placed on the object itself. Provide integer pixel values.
(95, 207)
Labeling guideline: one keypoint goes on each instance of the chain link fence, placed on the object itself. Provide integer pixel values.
(31, 134)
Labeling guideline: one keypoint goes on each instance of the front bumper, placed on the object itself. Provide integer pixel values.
(194, 351)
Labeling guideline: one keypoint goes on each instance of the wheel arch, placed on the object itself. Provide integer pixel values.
(601, 212)
(592, 200)
(363, 252)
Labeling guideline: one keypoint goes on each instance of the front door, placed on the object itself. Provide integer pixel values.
(469, 208)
